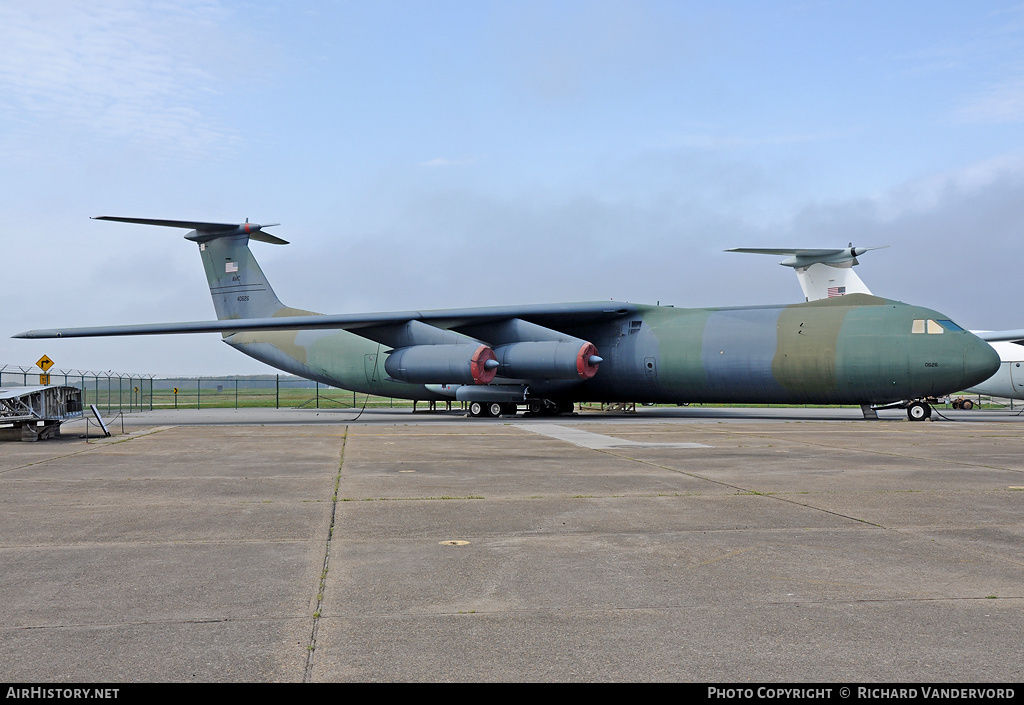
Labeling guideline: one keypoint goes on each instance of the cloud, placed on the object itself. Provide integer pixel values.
(930, 193)
(999, 103)
(954, 240)
(123, 71)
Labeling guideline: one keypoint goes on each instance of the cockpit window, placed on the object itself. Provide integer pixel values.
(931, 327)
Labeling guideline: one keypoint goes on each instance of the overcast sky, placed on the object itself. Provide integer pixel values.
(432, 154)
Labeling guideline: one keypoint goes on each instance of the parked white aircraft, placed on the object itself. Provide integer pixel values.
(1008, 382)
(828, 273)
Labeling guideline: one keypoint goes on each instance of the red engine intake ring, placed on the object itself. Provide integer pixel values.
(583, 365)
(481, 375)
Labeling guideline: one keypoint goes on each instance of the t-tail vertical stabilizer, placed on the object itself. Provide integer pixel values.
(237, 284)
(823, 274)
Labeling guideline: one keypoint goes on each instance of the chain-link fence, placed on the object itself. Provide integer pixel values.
(268, 391)
(109, 391)
(114, 392)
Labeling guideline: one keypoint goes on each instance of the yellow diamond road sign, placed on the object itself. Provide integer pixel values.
(44, 363)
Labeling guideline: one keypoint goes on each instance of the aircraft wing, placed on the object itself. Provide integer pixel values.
(556, 315)
(996, 336)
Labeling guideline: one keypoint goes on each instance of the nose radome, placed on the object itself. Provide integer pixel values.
(980, 362)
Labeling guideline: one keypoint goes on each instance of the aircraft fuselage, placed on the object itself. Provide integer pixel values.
(856, 349)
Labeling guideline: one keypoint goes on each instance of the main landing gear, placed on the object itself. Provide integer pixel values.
(493, 409)
(546, 407)
(534, 407)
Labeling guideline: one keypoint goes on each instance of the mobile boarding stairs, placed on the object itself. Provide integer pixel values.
(36, 413)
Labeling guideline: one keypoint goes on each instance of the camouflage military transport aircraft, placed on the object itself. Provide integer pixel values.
(855, 349)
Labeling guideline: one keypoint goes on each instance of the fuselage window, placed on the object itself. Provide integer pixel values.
(918, 326)
(934, 327)
(949, 325)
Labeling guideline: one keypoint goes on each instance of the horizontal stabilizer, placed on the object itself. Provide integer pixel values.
(207, 231)
(822, 273)
(807, 257)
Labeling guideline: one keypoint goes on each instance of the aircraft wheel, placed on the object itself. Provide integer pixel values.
(495, 409)
(918, 411)
(535, 406)
(509, 409)
(967, 404)
(565, 407)
(477, 409)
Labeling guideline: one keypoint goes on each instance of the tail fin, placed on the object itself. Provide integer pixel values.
(237, 284)
(823, 274)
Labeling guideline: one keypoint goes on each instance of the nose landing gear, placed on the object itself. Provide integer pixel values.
(919, 411)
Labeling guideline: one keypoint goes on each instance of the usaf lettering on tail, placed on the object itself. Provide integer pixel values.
(853, 349)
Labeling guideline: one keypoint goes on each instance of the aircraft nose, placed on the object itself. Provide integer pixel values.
(981, 361)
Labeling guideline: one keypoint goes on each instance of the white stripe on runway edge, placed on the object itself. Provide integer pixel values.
(596, 441)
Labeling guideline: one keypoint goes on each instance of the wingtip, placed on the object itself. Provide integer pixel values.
(39, 334)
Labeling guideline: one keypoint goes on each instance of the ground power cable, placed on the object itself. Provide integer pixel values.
(373, 376)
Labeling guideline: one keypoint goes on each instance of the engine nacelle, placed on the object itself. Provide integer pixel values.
(442, 364)
(548, 359)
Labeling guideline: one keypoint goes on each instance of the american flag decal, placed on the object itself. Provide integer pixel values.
(836, 291)
(233, 267)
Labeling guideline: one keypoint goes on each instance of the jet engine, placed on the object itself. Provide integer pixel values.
(442, 364)
(548, 359)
